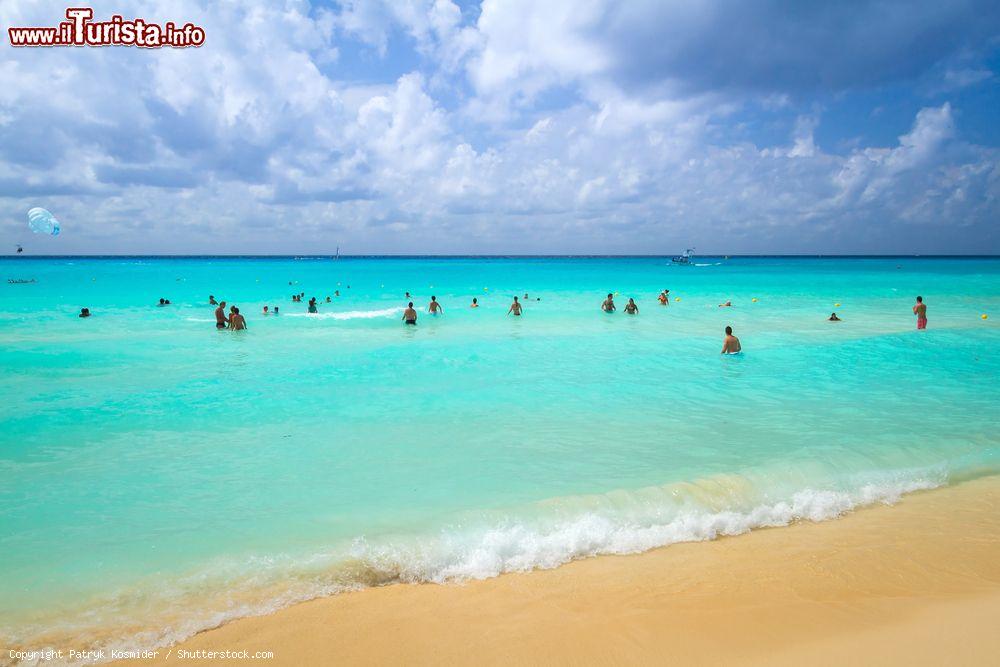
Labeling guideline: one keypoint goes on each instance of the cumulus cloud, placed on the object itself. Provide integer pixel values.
(585, 126)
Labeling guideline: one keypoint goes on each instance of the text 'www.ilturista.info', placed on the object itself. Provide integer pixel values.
(80, 30)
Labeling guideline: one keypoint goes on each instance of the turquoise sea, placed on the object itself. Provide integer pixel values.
(160, 476)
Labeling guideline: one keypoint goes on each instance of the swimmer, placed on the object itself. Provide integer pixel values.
(312, 305)
(731, 344)
(920, 310)
(434, 307)
(336, 292)
(833, 318)
(515, 308)
(328, 299)
(275, 310)
(221, 321)
(162, 303)
(410, 315)
(475, 303)
(609, 304)
(212, 301)
(84, 312)
(265, 311)
(236, 321)
(408, 296)
(526, 297)
(631, 308)
(727, 304)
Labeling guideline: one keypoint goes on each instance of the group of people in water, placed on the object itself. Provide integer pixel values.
(233, 320)
(730, 344)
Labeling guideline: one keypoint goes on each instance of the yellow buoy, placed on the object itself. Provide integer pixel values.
(486, 289)
(754, 299)
(616, 293)
(836, 305)
(985, 316)
(677, 298)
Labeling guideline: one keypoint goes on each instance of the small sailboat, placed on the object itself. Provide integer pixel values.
(685, 258)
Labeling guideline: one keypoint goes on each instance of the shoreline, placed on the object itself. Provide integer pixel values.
(917, 582)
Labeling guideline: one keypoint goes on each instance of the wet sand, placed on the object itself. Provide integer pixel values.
(917, 583)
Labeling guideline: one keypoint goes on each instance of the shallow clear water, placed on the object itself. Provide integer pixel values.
(160, 476)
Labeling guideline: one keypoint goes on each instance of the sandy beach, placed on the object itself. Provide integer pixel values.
(914, 583)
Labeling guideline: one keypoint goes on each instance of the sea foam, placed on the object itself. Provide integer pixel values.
(539, 536)
(349, 315)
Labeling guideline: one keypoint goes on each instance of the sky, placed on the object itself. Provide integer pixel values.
(510, 127)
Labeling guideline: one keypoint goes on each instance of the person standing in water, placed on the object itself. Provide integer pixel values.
(212, 301)
(410, 315)
(434, 307)
(663, 298)
(475, 303)
(221, 321)
(515, 308)
(631, 308)
(920, 310)
(312, 305)
(731, 344)
(609, 304)
(236, 321)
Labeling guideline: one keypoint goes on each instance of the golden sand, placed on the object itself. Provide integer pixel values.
(917, 584)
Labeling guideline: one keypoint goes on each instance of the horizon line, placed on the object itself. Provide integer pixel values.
(512, 256)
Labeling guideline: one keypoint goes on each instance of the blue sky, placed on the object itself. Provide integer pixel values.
(514, 126)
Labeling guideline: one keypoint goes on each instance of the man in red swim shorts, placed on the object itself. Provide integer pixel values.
(920, 310)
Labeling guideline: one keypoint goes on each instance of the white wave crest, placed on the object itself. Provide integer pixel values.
(555, 533)
(520, 547)
(349, 315)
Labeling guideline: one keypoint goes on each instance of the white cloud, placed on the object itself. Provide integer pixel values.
(804, 146)
(531, 130)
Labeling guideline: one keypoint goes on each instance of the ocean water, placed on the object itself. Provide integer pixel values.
(160, 477)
